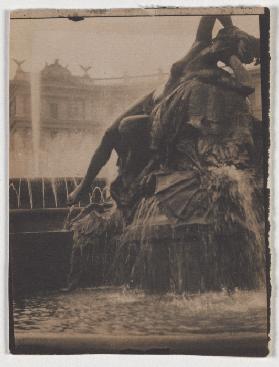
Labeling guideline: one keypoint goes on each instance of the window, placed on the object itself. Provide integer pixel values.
(53, 110)
(77, 109)
(74, 110)
(20, 108)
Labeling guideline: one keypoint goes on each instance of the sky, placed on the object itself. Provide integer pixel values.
(112, 46)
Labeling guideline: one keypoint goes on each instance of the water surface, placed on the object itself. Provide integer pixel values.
(118, 311)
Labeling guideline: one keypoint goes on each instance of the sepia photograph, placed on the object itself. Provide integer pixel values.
(138, 181)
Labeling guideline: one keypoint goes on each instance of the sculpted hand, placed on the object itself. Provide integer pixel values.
(75, 196)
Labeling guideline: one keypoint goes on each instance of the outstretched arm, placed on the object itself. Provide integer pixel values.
(100, 157)
(202, 40)
(225, 20)
(204, 32)
(105, 148)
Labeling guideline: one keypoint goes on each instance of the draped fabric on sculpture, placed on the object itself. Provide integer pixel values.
(203, 132)
(186, 159)
(201, 125)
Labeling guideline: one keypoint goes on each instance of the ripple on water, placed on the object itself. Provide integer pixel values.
(117, 311)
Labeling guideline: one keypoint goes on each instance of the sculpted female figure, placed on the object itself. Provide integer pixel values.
(204, 141)
(199, 124)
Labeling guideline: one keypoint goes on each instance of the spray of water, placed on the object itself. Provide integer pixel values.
(19, 191)
(241, 187)
(53, 186)
(241, 190)
(35, 117)
(93, 194)
(106, 193)
(66, 186)
(12, 186)
(75, 182)
(146, 216)
(43, 192)
(46, 190)
(233, 206)
(30, 193)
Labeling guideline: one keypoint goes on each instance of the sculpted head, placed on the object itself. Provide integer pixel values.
(233, 41)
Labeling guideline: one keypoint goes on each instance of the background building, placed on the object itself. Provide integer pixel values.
(71, 113)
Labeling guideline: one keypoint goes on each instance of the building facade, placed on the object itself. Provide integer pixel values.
(71, 113)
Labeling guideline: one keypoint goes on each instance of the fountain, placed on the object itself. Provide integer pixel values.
(35, 87)
(40, 245)
(211, 269)
(40, 257)
(197, 257)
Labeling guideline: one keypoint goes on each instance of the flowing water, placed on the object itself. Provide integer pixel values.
(30, 193)
(17, 192)
(117, 311)
(35, 114)
(54, 191)
(43, 192)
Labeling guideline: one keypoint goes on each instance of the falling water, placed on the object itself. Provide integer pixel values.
(66, 186)
(16, 192)
(147, 212)
(19, 191)
(120, 311)
(97, 189)
(241, 193)
(54, 191)
(232, 206)
(30, 193)
(75, 182)
(106, 193)
(68, 219)
(76, 185)
(46, 190)
(35, 116)
(43, 192)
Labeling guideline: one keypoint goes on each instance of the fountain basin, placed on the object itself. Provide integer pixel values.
(43, 192)
(238, 344)
(122, 320)
(39, 260)
(40, 249)
(39, 220)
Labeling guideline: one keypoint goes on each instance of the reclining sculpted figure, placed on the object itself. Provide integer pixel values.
(200, 120)
(142, 109)
(203, 136)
